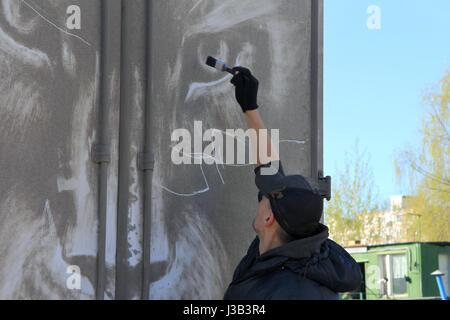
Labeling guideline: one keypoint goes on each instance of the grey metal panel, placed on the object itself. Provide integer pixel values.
(112, 97)
(316, 76)
(50, 100)
(130, 202)
(109, 58)
(147, 162)
(201, 224)
(48, 185)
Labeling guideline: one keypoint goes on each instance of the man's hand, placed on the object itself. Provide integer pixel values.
(246, 88)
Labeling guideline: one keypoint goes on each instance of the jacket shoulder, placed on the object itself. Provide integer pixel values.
(289, 285)
(247, 261)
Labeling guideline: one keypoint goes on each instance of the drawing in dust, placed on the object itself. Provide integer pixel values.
(47, 99)
(200, 226)
(187, 203)
(217, 161)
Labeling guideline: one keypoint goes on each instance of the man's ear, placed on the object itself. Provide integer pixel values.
(269, 219)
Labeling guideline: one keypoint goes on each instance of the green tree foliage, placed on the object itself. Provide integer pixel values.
(425, 172)
(353, 201)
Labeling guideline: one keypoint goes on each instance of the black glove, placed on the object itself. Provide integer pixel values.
(246, 88)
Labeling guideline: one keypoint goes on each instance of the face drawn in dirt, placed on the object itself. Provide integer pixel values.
(257, 35)
(47, 95)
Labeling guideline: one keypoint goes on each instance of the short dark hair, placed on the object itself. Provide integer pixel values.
(283, 235)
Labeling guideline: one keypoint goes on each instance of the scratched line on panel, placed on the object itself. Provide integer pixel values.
(294, 141)
(54, 25)
(192, 155)
(202, 156)
(196, 89)
(195, 6)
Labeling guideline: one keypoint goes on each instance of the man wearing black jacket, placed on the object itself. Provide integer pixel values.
(291, 257)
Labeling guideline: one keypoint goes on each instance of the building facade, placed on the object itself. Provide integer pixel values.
(397, 224)
(401, 270)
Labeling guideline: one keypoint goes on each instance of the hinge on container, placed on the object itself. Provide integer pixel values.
(100, 153)
(145, 161)
(324, 186)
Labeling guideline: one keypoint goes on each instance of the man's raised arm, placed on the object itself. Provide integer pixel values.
(255, 122)
(246, 95)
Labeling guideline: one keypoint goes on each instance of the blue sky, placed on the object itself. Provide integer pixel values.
(373, 79)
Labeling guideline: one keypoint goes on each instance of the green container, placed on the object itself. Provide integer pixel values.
(400, 270)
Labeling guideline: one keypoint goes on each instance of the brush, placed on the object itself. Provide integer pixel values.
(219, 65)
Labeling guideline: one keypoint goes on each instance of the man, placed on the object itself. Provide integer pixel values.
(291, 257)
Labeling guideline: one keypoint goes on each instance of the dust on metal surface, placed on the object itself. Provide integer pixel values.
(201, 215)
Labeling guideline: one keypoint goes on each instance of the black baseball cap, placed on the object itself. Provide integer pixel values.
(296, 204)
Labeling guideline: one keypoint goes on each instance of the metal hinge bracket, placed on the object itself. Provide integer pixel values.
(100, 153)
(324, 186)
(145, 161)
